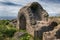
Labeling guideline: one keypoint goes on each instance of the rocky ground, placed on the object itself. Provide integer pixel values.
(56, 19)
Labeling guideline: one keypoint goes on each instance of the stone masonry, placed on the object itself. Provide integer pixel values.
(34, 19)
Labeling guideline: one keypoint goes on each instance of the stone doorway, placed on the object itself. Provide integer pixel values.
(22, 22)
(35, 9)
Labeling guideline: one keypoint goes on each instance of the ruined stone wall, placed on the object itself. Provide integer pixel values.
(32, 12)
(34, 19)
(42, 27)
(52, 35)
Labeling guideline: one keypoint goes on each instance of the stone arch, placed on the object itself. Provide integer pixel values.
(35, 9)
(22, 22)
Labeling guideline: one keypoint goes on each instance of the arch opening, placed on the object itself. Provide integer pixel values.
(35, 10)
(22, 22)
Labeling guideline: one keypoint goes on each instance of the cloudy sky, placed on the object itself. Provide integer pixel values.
(11, 7)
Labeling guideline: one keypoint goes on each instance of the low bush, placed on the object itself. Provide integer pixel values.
(6, 29)
(25, 37)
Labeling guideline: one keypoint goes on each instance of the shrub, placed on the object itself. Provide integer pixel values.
(6, 29)
(4, 22)
(10, 32)
(1, 36)
(25, 37)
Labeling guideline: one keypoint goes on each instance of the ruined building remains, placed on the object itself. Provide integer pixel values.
(34, 19)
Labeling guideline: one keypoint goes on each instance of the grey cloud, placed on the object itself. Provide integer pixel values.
(10, 4)
(52, 1)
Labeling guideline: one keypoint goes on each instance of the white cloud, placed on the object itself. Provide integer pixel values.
(1, 0)
(8, 10)
(13, 10)
(51, 7)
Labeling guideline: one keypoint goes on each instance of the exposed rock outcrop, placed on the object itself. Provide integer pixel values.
(17, 35)
(52, 35)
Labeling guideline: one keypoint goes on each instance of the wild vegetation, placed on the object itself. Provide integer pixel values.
(7, 31)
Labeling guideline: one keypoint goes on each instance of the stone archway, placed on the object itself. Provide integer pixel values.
(22, 22)
(35, 9)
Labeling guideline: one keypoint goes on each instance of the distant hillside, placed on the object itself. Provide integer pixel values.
(54, 14)
(58, 14)
(7, 17)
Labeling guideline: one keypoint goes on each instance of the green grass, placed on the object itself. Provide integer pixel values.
(7, 31)
(26, 37)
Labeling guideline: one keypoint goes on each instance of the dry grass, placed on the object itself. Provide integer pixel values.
(56, 19)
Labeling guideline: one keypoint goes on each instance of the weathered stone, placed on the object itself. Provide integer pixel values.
(17, 35)
(29, 14)
(52, 35)
(34, 19)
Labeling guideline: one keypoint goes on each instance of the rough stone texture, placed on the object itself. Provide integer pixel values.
(52, 35)
(17, 35)
(29, 14)
(34, 19)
